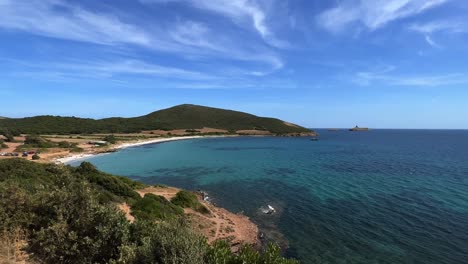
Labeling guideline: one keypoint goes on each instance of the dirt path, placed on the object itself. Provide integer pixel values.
(126, 209)
(220, 224)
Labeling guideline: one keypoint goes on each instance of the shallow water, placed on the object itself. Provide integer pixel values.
(383, 196)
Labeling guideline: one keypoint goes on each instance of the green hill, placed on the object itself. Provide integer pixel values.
(178, 117)
(62, 214)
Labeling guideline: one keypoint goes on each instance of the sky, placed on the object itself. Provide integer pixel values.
(317, 63)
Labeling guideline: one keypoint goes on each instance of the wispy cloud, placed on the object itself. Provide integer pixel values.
(430, 80)
(101, 70)
(147, 75)
(449, 26)
(367, 77)
(372, 14)
(44, 18)
(240, 11)
(386, 76)
(431, 42)
(189, 39)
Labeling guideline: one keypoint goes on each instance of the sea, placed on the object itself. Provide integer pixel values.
(380, 196)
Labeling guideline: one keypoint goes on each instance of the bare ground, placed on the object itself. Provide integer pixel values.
(220, 224)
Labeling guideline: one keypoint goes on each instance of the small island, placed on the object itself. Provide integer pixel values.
(356, 128)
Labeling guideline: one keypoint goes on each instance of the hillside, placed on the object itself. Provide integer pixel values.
(178, 117)
(60, 214)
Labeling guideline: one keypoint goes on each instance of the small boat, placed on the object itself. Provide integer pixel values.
(270, 210)
(314, 139)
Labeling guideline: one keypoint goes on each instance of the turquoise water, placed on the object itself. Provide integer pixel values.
(383, 196)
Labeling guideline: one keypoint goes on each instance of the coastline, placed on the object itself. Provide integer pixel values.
(124, 145)
(220, 224)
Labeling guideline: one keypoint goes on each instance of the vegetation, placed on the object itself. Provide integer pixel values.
(35, 157)
(37, 142)
(2, 144)
(73, 147)
(152, 207)
(9, 135)
(110, 139)
(68, 215)
(65, 144)
(186, 199)
(178, 117)
(34, 141)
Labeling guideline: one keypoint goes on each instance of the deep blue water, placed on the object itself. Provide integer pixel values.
(383, 196)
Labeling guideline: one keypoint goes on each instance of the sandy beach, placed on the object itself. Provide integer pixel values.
(119, 146)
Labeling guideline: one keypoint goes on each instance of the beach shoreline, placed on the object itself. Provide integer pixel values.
(123, 145)
(213, 226)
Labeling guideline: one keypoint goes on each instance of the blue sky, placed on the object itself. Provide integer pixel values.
(376, 63)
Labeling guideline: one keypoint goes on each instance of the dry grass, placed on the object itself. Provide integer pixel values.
(12, 246)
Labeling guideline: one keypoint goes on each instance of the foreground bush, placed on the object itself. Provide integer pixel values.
(62, 218)
(186, 199)
(220, 252)
(152, 207)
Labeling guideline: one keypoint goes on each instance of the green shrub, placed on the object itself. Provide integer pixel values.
(64, 144)
(34, 141)
(110, 139)
(111, 187)
(8, 134)
(63, 220)
(186, 199)
(2, 144)
(76, 149)
(165, 242)
(86, 167)
(35, 157)
(220, 252)
(155, 207)
(72, 227)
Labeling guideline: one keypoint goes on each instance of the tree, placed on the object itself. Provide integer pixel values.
(35, 157)
(8, 135)
(110, 139)
(33, 140)
(73, 227)
(86, 168)
(2, 144)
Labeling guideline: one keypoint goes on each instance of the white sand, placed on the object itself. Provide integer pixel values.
(128, 145)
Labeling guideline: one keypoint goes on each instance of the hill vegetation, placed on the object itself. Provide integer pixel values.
(178, 117)
(62, 214)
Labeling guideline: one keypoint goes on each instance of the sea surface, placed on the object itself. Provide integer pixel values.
(382, 196)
